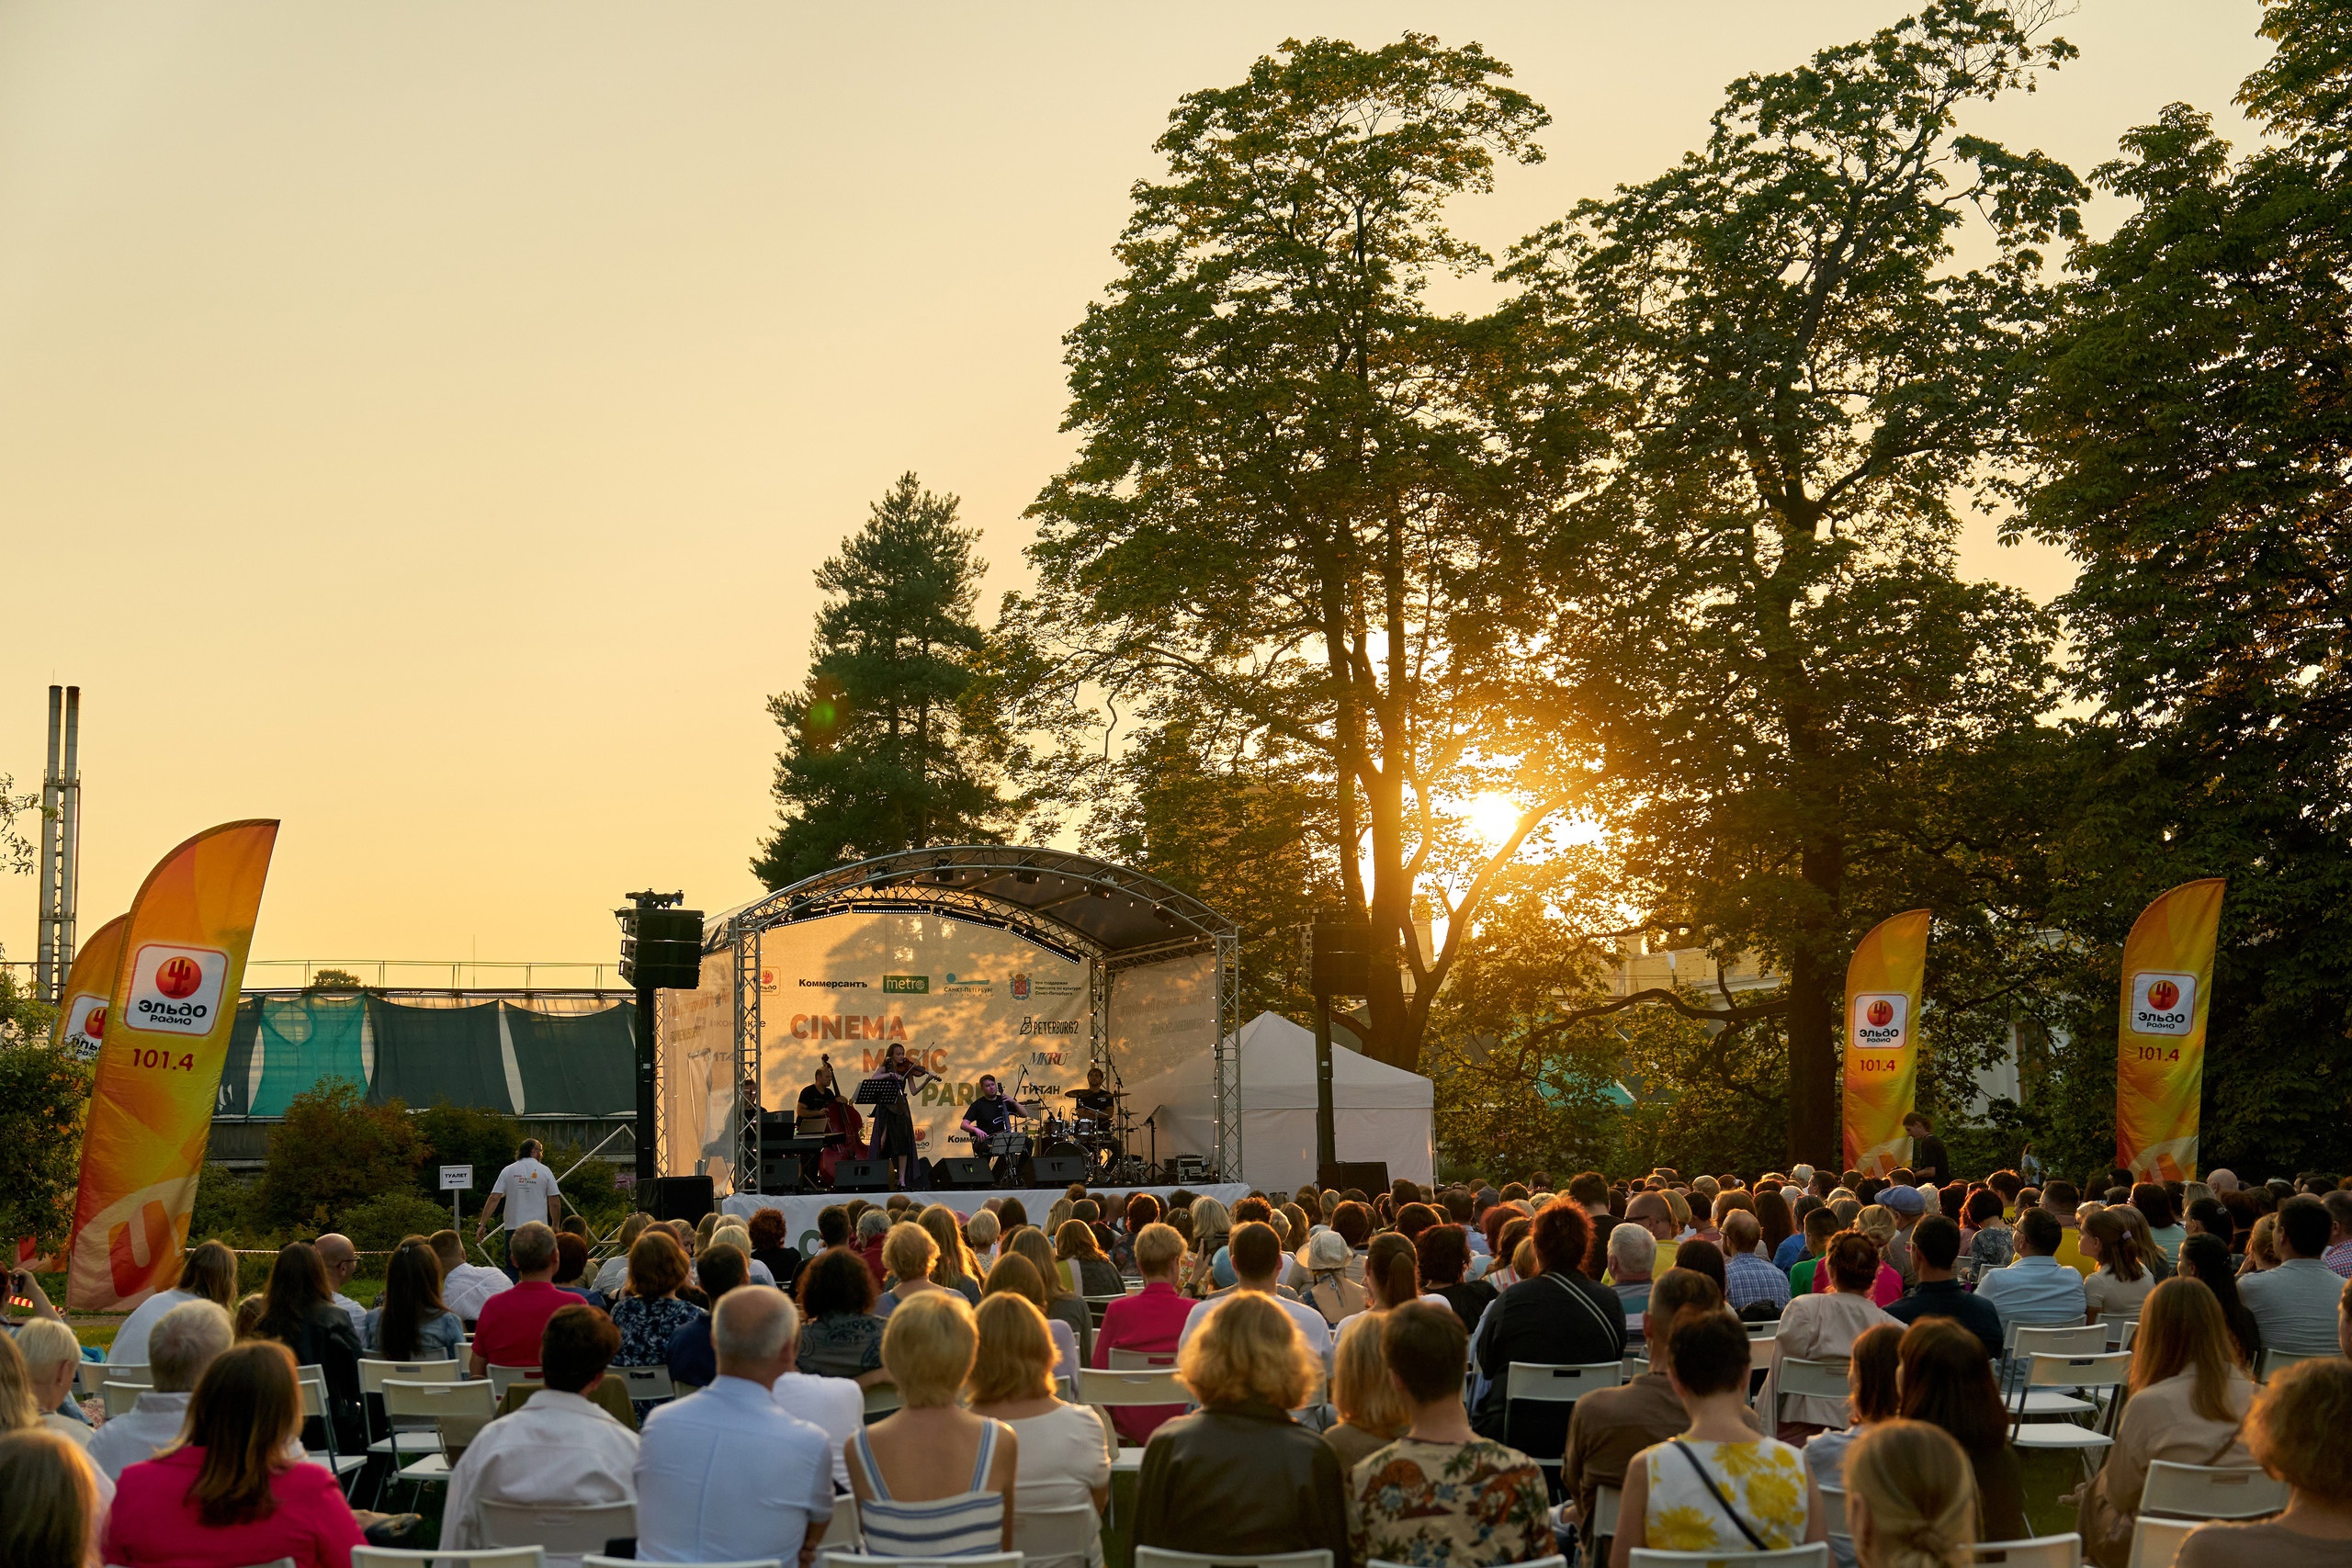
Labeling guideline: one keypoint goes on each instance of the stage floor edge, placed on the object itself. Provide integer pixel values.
(801, 1208)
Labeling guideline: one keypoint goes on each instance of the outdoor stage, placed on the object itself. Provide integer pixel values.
(800, 1208)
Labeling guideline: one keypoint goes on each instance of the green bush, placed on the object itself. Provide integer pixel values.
(333, 1151)
(590, 1188)
(377, 1223)
(464, 1135)
(226, 1209)
(44, 1093)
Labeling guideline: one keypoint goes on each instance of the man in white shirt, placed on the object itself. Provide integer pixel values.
(181, 1345)
(1257, 1258)
(558, 1449)
(835, 1406)
(465, 1286)
(726, 1474)
(342, 1259)
(527, 1190)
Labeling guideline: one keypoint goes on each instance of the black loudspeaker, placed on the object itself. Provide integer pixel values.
(780, 1173)
(954, 1173)
(686, 1198)
(1339, 958)
(1060, 1170)
(862, 1176)
(661, 948)
(1371, 1176)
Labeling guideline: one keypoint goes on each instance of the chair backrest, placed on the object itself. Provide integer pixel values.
(1143, 1360)
(2155, 1542)
(1556, 1561)
(1833, 1510)
(1759, 1350)
(594, 1560)
(2042, 1551)
(1605, 1503)
(2107, 1369)
(1056, 1538)
(314, 1397)
(115, 1371)
(2272, 1360)
(504, 1378)
(431, 1401)
(882, 1399)
(2209, 1492)
(863, 1560)
(2074, 1340)
(373, 1373)
(1105, 1389)
(273, 1562)
(568, 1530)
(121, 1393)
(489, 1557)
(1824, 1379)
(1766, 1328)
(1161, 1557)
(1814, 1554)
(2120, 1327)
(842, 1528)
(1546, 1383)
(648, 1382)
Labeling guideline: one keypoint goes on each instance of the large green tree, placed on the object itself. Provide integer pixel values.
(1810, 721)
(1290, 512)
(2194, 416)
(897, 739)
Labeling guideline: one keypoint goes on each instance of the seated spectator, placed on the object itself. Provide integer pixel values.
(513, 1320)
(1823, 1327)
(934, 1479)
(954, 1268)
(690, 1359)
(2295, 1432)
(1630, 1254)
(341, 1260)
(768, 1248)
(1872, 1398)
(1149, 1322)
(1372, 1412)
(1935, 1245)
(1083, 1264)
(233, 1490)
(1062, 1304)
(2036, 1291)
(409, 1321)
(1820, 1225)
(1609, 1426)
(1559, 1316)
(2155, 1203)
(732, 1233)
(208, 1274)
(50, 1506)
(51, 1355)
(2122, 1279)
(1910, 1499)
(1749, 1279)
(840, 1335)
(1680, 1494)
(1654, 1214)
(1238, 1474)
(872, 1226)
(557, 1450)
(1063, 1451)
(466, 1286)
(1392, 1272)
(1702, 1257)
(2188, 1400)
(1443, 1253)
(299, 1312)
(650, 1313)
(1257, 1261)
(2206, 1259)
(1947, 1381)
(179, 1346)
(1876, 1221)
(2294, 1303)
(725, 1475)
(1327, 1287)
(1016, 1274)
(572, 1266)
(614, 1273)
(981, 1232)
(1906, 1206)
(1985, 1237)
(908, 1253)
(1441, 1496)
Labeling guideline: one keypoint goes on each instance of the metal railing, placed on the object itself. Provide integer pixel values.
(464, 974)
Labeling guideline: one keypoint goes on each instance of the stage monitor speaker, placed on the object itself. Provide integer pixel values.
(1369, 1175)
(963, 1172)
(862, 1176)
(780, 1173)
(1060, 1170)
(1340, 957)
(686, 1198)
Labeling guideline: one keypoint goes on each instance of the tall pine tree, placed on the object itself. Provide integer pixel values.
(895, 740)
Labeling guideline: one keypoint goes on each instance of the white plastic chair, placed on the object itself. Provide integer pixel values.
(1606, 1500)
(2278, 1360)
(1161, 1557)
(1820, 1379)
(373, 1373)
(1759, 1351)
(861, 1559)
(486, 1557)
(1554, 1561)
(1110, 1390)
(1545, 1383)
(1143, 1360)
(882, 1399)
(2107, 1369)
(1814, 1554)
(2021, 1341)
(1056, 1538)
(648, 1383)
(314, 1406)
(565, 1529)
(504, 1378)
(1833, 1510)
(2121, 1327)
(841, 1530)
(2042, 1551)
(414, 1411)
(2155, 1542)
(2209, 1492)
(592, 1560)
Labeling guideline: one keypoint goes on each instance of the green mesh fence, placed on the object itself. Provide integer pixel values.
(424, 1055)
(302, 1039)
(577, 1064)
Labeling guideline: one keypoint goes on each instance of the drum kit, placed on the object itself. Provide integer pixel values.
(1102, 1140)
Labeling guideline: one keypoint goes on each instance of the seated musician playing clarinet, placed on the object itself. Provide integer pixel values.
(989, 1114)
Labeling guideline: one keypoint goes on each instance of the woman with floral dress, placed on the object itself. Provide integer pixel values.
(650, 1313)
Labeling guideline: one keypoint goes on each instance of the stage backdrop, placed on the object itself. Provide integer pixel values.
(964, 998)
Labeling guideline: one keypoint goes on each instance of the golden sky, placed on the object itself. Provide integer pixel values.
(420, 422)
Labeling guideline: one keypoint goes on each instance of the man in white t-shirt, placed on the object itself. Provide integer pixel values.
(527, 1190)
(1256, 1257)
(835, 1406)
(465, 1286)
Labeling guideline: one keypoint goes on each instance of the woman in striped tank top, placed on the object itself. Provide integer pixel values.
(932, 1478)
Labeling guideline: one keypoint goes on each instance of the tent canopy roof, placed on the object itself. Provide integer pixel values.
(1105, 911)
(1278, 1074)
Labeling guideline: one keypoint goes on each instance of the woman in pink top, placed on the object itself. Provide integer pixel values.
(234, 1490)
(1877, 1222)
(1149, 1320)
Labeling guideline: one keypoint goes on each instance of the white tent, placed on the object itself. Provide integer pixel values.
(1380, 1113)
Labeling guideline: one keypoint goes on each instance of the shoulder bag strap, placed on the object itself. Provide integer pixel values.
(1717, 1493)
(1586, 1302)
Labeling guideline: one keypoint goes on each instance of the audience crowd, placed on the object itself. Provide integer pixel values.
(1331, 1370)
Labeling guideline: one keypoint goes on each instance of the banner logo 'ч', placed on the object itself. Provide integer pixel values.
(1878, 1020)
(2163, 1003)
(175, 990)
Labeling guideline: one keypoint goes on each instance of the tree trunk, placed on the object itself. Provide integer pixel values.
(1814, 1133)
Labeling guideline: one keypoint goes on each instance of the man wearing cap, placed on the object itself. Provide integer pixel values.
(1908, 1205)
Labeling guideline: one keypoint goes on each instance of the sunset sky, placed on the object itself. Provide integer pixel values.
(420, 422)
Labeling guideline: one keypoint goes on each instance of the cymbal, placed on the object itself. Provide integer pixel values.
(1113, 1093)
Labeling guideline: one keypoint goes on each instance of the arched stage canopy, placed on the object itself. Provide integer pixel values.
(1161, 967)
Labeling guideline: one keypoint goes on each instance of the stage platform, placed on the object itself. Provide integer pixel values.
(800, 1208)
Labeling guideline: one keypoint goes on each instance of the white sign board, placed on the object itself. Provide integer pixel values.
(457, 1177)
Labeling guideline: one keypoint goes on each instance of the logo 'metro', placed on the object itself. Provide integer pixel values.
(907, 985)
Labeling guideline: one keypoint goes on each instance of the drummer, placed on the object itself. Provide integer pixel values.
(1101, 1105)
(988, 1116)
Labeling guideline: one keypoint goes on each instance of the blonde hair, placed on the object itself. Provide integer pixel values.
(1877, 1222)
(2295, 1430)
(1029, 1242)
(1158, 1250)
(734, 1235)
(928, 1344)
(2182, 1329)
(908, 1251)
(1211, 1220)
(983, 1228)
(955, 1262)
(1248, 1352)
(48, 1494)
(18, 1411)
(1362, 1389)
(46, 1343)
(1909, 1484)
(2263, 1240)
(1015, 1357)
(1063, 1210)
